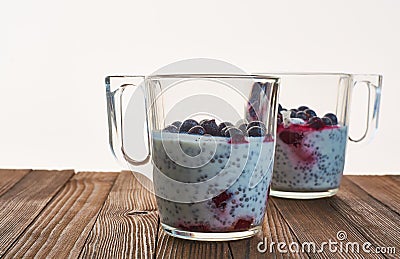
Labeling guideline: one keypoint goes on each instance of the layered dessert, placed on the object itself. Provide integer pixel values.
(212, 178)
(310, 151)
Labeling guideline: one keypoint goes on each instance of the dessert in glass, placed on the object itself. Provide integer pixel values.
(313, 128)
(211, 149)
(310, 151)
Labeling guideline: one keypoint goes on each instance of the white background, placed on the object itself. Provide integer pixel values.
(54, 56)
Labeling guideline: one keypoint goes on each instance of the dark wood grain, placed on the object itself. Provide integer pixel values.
(127, 224)
(371, 218)
(385, 189)
(9, 177)
(57, 214)
(21, 204)
(318, 221)
(61, 228)
(274, 230)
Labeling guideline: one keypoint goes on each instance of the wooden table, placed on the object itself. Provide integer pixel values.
(60, 214)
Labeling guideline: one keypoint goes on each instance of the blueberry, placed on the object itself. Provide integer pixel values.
(256, 123)
(293, 113)
(310, 113)
(315, 123)
(302, 108)
(332, 117)
(326, 121)
(187, 125)
(243, 127)
(197, 130)
(256, 131)
(171, 128)
(177, 124)
(223, 131)
(223, 125)
(210, 127)
(280, 108)
(302, 115)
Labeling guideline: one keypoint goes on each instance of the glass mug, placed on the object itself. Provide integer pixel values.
(211, 179)
(310, 152)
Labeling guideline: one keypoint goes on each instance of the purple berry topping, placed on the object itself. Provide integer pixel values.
(221, 199)
(243, 224)
(289, 137)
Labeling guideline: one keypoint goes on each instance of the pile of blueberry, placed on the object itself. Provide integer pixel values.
(224, 129)
(309, 116)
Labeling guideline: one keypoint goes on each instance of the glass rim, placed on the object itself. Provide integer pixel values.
(196, 76)
(213, 76)
(277, 74)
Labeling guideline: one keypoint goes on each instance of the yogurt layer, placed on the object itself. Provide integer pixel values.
(208, 184)
(308, 159)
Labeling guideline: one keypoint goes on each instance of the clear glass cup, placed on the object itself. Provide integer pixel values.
(310, 152)
(208, 185)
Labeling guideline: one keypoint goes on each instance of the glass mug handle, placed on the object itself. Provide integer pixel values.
(374, 84)
(117, 101)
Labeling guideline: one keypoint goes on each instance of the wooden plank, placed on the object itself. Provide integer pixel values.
(170, 247)
(127, 224)
(61, 228)
(385, 189)
(370, 217)
(9, 177)
(274, 230)
(317, 221)
(23, 202)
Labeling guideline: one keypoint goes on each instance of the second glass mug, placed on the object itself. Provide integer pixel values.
(310, 152)
(211, 181)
